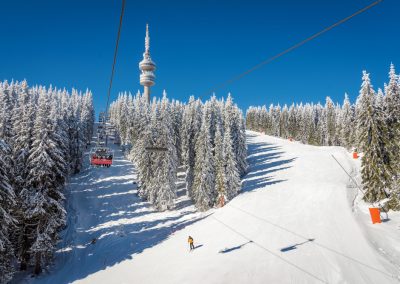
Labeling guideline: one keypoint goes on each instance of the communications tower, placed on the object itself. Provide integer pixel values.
(147, 68)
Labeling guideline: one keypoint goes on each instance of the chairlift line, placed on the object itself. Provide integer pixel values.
(115, 54)
(297, 45)
(115, 60)
(102, 155)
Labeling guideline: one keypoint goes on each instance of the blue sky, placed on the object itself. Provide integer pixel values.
(199, 44)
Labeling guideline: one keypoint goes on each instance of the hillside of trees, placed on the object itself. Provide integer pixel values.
(43, 132)
(206, 139)
(370, 126)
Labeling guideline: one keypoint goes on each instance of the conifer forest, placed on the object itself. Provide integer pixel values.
(262, 144)
(43, 133)
(370, 125)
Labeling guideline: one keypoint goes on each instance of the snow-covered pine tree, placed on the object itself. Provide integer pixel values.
(241, 150)
(313, 133)
(190, 130)
(392, 112)
(232, 175)
(338, 125)
(265, 121)
(276, 121)
(380, 99)
(298, 112)
(177, 114)
(166, 171)
(142, 160)
(215, 115)
(6, 113)
(346, 123)
(87, 117)
(150, 167)
(75, 133)
(187, 148)
(23, 134)
(283, 122)
(330, 122)
(138, 113)
(123, 119)
(23, 126)
(220, 178)
(271, 121)
(321, 125)
(204, 193)
(42, 198)
(60, 137)
(77, 98)
(233, 119)
(157, 170)
(250, 117)
(7, 222)
(373, 140)
(130, 121)
(306, 124)
(392, 107)
(292, 123)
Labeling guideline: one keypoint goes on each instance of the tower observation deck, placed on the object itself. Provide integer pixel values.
(147, 68)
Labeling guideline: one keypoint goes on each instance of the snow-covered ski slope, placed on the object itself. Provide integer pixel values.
(102, 205)
(292, 224)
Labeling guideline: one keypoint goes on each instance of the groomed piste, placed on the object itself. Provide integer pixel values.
(294, 222)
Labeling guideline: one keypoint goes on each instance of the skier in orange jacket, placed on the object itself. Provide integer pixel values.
(190, 241)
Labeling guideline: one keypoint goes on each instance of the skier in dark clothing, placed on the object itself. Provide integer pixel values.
(190, 241)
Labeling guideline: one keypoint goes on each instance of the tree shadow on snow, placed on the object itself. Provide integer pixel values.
(264, 159)
(115, 225)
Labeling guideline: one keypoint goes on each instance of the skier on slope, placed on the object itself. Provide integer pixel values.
(190, 241)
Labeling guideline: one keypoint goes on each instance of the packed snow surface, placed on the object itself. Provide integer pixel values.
(294, 222)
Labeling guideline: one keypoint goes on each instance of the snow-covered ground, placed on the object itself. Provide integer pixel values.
(102, 205)
(384, 237)
(294, 223)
